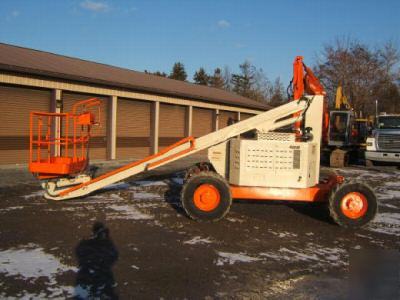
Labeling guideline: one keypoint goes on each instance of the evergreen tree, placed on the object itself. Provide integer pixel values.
(201, 77)
(161, 74)
(178, 72)
(251, 82)
(242, 82)
(158, 73)
(217, 79)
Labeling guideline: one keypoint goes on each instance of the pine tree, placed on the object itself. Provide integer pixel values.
(201, 77)
(251, 82)
(217, 79)
(178, 72)
(158, 73)
(161, 74)
(243, 81)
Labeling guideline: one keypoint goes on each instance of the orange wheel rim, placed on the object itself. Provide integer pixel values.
(354, 205)
(206, 197)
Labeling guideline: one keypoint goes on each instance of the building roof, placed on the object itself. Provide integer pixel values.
(40, 63)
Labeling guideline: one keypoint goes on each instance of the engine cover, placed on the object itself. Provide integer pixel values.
(268, 163)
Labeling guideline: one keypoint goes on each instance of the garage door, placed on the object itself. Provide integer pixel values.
(133, 129)
(202, 121)
(98, 141)
(244, 116)
(172, 124)
(224, 117)
(15, 105)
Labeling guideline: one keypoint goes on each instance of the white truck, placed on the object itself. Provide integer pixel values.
(384, 144)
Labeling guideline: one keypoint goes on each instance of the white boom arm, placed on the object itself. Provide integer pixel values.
(267, 121)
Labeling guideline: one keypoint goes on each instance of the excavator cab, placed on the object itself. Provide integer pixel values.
(341, 131)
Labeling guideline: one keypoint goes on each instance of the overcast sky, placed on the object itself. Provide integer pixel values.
(153, 35)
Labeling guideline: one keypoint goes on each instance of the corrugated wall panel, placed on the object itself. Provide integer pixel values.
(98, 141)
(15, 105)
(172, 124)
(202, 121)
(224, 116)
(244, 116)
(133, 129)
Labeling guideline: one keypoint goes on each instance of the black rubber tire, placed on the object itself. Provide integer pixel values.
(337, 195)
(191, 185)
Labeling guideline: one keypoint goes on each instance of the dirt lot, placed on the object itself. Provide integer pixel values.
(147, 248)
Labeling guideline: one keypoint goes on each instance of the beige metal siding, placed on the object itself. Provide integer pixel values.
(16, 103)
(223, 118)
(172, 124)
(202, 121)
(133, 129)
(98, 141)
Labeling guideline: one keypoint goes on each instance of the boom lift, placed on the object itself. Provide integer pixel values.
(270, 166)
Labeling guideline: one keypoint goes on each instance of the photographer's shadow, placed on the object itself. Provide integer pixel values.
(96, 256)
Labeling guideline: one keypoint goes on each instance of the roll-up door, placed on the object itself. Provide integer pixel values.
(202, 121)
(133, 129)
(224, 117)
(16, 103)
(172, 124)
(98, 141)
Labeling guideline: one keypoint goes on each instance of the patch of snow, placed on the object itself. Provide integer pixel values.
(283, 234)
(385, 194)
(388, 205)
(81, 292)
(387, 223)
(11, 208)
(298, 255)
(151, 204)
(95, 197)
(34, 195)
(135, 267)
(234, 220)
(115, 197)
(198, 240)
(31, 262)
(145, 195)
(51, 292)
(117, 186)
(311, 253)
(129, 212)
(150, 183)
(392, 184)
(232, 258)
(178, 180)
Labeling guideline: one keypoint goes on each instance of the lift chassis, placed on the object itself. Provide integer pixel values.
(270, 166)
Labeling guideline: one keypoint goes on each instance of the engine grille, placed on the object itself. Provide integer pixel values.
(388, 141)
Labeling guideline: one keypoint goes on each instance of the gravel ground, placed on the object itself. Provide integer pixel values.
(144, 246)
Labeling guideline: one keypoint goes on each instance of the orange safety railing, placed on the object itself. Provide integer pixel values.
(59, 142)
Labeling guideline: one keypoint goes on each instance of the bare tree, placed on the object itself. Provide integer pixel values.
(365, 74)
(227, 77)
(277, 93)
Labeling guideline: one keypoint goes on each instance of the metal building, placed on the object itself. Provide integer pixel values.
(141, 114)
